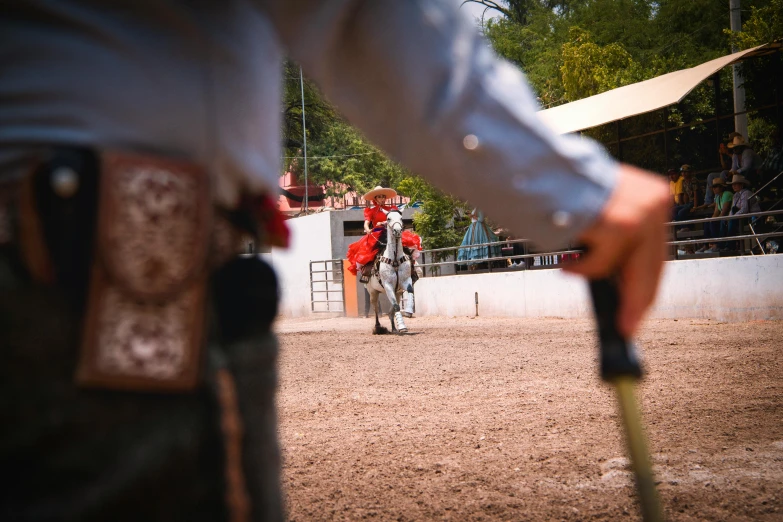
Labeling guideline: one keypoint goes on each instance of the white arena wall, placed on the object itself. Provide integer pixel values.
(310, 240)
(723, 289)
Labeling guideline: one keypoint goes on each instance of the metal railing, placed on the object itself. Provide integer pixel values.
(551, 259)
(321, 292)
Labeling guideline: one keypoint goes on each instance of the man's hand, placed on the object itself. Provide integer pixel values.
(629, 240)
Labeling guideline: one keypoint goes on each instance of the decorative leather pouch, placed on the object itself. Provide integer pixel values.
(144, 323)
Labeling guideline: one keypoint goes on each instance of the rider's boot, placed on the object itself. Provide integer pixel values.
(408, 302)
(366, 273)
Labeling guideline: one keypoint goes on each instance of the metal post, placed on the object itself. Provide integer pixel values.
(740, 120)
(306, 200)
(326, 285)
(778, 67)
(716, 94)
(665, 137)
(342, 284)
(312, 294)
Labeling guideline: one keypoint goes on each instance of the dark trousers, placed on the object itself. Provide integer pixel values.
(682, 212)
(716, 229)
(735, 227)
(75, 454)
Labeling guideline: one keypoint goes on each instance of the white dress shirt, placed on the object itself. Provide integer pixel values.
(202, 80)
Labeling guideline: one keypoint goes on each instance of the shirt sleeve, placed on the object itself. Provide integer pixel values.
(743, 204)
(421, 83)
(368, 212)
(747, 161)
(735, 161)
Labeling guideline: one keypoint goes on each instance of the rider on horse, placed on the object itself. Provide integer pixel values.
(362, 254)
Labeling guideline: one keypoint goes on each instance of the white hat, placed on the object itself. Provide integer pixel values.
(739, 178)
(379, 190)
(738, 141)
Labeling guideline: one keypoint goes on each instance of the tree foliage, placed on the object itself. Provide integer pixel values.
(764, 25)
(442, 222)
(341, 159)
(589, 68)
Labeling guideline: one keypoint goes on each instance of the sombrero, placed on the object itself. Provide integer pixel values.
(377, 191)
(739, 178)
(738, 141)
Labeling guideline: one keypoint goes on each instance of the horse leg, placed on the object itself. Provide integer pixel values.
(378, 330)
(395, 316)
(406, 289)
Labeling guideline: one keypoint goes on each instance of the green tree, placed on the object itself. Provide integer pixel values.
(319, 113)
(342, 160)
(589, 68)
(339, 157)
(764, 25)
(442, 221)
(342, 155)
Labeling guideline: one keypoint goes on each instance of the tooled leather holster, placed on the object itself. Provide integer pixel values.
(146, 304)
(146, 266)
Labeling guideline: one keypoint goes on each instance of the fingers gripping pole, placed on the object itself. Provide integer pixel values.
(620, 366)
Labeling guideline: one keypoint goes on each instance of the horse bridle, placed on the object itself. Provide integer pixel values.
(393, 262)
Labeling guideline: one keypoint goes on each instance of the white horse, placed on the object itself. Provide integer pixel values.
(393, 276)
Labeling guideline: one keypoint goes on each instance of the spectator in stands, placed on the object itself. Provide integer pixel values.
(749, 162)
(743, 202)
(773, 165)
(690, 193)
(728, 161)
(728, 158)
(675, 186)
(715, 229)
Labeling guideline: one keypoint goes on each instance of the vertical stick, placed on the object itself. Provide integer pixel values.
(620, 366)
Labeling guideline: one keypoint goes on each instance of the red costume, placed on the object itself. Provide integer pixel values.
(365, 250)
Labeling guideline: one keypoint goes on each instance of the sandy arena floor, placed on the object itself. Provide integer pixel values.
(506, 419)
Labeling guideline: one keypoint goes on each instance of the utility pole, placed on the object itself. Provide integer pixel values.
(304, 139)
(740, 120)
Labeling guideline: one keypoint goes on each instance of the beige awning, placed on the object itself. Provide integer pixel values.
(637, 98)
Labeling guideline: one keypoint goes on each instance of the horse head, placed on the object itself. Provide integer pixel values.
(394, 223)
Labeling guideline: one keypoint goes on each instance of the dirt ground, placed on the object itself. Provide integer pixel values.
(506, 419)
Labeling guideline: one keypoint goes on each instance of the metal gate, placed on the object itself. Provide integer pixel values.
(327, 291)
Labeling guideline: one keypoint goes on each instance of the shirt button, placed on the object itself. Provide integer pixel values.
(561, 218)
(65, 182)
(470, 142)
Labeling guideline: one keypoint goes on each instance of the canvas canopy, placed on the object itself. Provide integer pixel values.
(639, 98)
